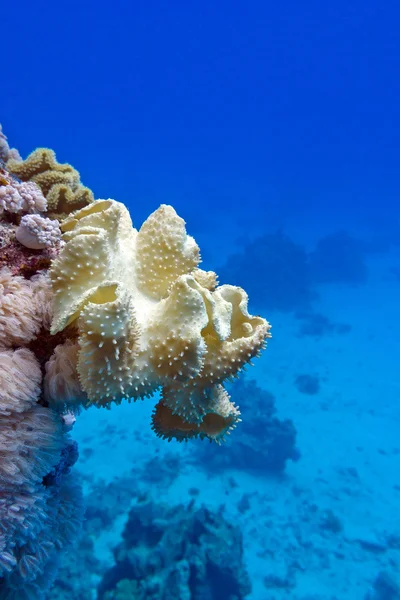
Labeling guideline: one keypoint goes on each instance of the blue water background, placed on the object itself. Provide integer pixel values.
(249, 118)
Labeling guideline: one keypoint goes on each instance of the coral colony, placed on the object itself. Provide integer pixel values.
(92, 312)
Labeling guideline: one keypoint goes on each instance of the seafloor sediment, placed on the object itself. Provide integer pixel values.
(329, 528)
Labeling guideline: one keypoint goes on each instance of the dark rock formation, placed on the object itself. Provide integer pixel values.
(274, 271)
(263, 443)
(180, 552)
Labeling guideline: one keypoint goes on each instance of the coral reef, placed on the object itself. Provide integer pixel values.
(132, 311)
(145, 320)
(274, 271)
(40, 503)
(176, 552)
(102, 313)
(263, 443)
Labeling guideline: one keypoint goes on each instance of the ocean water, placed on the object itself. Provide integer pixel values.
(273, 130)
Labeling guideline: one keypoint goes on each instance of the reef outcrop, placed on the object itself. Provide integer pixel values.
(263, 444)
(176, 552)
(93, 311)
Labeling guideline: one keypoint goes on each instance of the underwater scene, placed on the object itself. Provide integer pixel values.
(199, 300)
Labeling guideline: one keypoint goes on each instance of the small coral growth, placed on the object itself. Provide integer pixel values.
(131, 312)
(176, 552)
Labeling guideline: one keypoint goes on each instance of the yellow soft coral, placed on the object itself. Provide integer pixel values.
(148, 317)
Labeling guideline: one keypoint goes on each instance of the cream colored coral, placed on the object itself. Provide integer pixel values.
(207, 279)
(164, 251)
(19, 319)
(219, 420)
(147, 316)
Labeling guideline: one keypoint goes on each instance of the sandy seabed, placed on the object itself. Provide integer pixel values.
(327, 528)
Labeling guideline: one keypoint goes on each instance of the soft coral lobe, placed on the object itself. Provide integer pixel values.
(148, 318)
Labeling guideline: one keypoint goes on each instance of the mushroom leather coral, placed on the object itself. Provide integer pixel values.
(149, 318)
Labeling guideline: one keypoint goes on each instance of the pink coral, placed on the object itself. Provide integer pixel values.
(61, 382)
(21, 198)
(19, 321)
(10, 200)
(20, 380)
(43, 297)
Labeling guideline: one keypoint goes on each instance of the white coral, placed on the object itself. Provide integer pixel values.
(32, 196)
(19, 198)
(10, 200)
(36, 232)
(4, 147)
